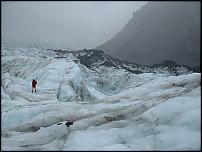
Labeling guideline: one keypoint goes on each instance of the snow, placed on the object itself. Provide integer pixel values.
(111, 108)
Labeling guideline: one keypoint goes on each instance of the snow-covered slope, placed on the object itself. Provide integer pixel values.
(112, 108)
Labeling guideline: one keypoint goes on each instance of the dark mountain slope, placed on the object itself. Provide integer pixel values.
(157, 32)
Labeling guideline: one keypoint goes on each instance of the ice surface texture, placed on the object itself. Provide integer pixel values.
(111, 109)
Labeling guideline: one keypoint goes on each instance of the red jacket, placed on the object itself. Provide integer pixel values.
(34, 83)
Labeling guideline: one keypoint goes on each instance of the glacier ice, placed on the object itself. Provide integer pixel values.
(112, 109)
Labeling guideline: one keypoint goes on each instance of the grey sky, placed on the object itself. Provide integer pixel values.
(75, 24)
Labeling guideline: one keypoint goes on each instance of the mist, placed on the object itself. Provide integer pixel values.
(73, 24)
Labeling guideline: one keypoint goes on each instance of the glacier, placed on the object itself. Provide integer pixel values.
(112, 109)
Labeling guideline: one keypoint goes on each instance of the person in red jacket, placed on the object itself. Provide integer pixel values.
(34, 85)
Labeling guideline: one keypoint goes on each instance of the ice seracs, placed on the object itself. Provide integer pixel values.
(111, 108)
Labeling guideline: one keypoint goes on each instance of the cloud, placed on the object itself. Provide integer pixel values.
(74, 24)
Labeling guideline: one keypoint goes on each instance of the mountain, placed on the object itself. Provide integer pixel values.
(157, 32)
(94, 59)
(111, 108)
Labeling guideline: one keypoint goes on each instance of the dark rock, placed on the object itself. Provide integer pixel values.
(68, 123)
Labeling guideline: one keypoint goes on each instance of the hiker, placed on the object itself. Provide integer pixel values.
(34, 85)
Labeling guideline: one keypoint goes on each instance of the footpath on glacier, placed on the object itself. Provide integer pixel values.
(112, 109)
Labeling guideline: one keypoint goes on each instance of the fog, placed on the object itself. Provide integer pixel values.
(72, 24)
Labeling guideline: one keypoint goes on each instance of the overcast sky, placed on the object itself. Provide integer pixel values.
(75, 24)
